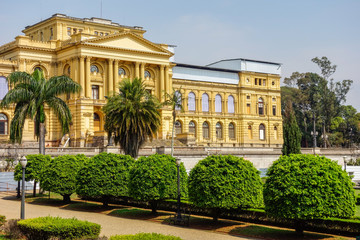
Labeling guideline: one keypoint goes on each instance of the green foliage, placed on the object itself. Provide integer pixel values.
(318, 96)
(30, 93)
(34, 167)
(132, 116)
(44, 228)
(308, 187)
(144, 236)
(105, 175)
(2, 220)
(291, 132)
(155, 177)
(59, 175)
(225, 182)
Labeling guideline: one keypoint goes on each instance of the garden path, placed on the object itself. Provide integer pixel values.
(110, 225)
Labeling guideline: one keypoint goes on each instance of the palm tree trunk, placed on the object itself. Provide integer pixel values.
(42, 138)
(172, 134)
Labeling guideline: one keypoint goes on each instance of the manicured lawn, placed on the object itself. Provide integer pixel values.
(357, 211)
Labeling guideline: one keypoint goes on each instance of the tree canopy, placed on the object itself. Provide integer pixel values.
(132, 116)
(31, 93)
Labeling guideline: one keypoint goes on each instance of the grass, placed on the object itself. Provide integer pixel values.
(357, 211)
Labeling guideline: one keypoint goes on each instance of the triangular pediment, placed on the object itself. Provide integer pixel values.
(128, 41)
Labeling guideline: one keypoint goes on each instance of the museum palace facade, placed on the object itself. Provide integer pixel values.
(233, 102)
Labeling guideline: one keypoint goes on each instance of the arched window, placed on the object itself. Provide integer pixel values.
(261, 106)
(218, 130)
(178, 100)
(147, 74)
(231, 108)
(38, 68)
(218, 107)
(96, 122)
(192, 128)
(250, 132)
(94, 69)
(122, 72)
(178, 128)
(262, 132)
(205, 128)
(231, 131)
(205, 102)
(3, 87)
(3, 124)
(191, 101)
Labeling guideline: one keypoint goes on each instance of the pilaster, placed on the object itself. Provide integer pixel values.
(88, 77)
(82, 77)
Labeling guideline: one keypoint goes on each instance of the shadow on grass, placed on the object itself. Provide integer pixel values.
(207, 223)
(54, 202)
(140, 214)
(278, 234)
(89, 207)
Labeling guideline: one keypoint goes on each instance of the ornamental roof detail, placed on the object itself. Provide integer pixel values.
(128, 40)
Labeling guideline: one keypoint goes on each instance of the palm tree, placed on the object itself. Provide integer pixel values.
(132, 116)
(174, 100)
(30, 93)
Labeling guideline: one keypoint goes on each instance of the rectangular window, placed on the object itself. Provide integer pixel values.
(255, 81)
(264, 82)
(248, 108)
(51, 33)
(95, 92)
(2, 128)
(259, 82)
(274, 110)
(69, 31)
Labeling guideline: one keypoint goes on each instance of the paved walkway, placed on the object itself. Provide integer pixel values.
(110, 225)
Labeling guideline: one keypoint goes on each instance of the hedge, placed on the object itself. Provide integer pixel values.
(43, 228)
(144, 236)
(2, 220)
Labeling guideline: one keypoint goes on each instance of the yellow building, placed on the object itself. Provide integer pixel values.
(232, 102)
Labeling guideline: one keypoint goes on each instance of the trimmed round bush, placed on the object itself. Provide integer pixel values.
(303, 186)
(144, 236)
(225, 182)
(59, 175)
(43, 228)
(34, 167)
(154, 178)
(105, 175)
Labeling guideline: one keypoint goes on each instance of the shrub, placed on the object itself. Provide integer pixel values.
(59, 175)
(2, 220)
(105, 175)
(225, 182)
(144, 236)
(154, 178)
(12, 230)
(308, 187)
(34, 167)
(63, 228)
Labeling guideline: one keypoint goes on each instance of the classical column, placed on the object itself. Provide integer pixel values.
(110, 77)
(116, 75)
(142, 71)
(162, 83)
(137, 71)
(167, 81)
(82, 76)
(87, 79)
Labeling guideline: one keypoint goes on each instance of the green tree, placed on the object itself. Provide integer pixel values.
(291, 132)
(104, 176)
(59, 175)
(34, 167)
(132, 116)
(154, 178)
(305, 187)
(174, 100)
(31, 93)
(227, 182)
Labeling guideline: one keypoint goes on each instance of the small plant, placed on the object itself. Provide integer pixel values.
(44, 228)
(2, 220)
(12, 230)
(144, 236)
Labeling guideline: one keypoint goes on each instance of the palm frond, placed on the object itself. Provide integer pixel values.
(58, 85)
(19, 77)
(62, 112)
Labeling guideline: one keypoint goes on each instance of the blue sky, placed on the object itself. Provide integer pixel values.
(289, 32)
